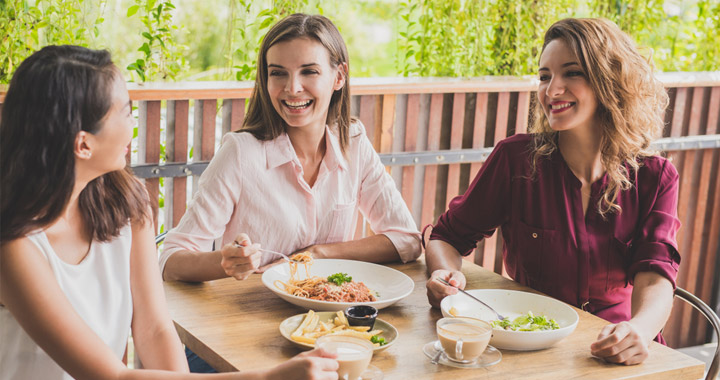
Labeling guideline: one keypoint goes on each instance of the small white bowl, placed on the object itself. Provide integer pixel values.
(512, 303)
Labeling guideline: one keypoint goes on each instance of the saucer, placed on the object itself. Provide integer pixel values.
(490, 356)
(371, 373)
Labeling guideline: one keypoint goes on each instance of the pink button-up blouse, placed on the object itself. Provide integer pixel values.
(257, 187)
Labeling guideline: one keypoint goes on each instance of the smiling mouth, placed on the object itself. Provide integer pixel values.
(299, 105)
(555, 108)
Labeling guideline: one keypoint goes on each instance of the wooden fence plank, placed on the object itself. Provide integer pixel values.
(433, 143)
(523, 112)
(152, 147)
(411, 132)
(177, 146)
(456, 135)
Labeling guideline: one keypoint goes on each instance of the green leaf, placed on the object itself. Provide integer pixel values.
(266, 22)
(147, 35)
(145, 48)
(132, 10)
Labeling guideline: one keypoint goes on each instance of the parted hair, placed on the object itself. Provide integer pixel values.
(262, 120)
(54, 94)
(631, 101)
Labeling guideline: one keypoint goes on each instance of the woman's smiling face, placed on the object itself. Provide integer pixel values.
(564, 91)
(301, 81)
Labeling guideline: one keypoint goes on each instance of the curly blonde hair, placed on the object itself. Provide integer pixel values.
(631, 101)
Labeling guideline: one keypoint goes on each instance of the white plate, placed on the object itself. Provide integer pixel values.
(389, 284)
(512, 303)
(389, 332)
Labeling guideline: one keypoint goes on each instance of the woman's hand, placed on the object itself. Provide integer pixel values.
(240, 262)
(317, 364)
(436, 290)
(621, 343)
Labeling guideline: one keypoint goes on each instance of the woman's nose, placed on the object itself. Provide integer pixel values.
(293, 85)
(555, 87)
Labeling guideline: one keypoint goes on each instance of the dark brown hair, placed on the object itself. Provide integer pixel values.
(262, 120)
(56, 93)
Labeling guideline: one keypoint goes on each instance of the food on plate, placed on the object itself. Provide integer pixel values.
(526, 322)
(312, 328)
(338, 287)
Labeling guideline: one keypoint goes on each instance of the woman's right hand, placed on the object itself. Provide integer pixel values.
(241, 258)
(436, 290)
(317, 364)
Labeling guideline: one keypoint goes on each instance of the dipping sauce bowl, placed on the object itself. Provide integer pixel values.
(361, 315)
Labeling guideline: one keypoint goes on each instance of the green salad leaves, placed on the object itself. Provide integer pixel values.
(527, 322)
(377, 339)
(339, 278)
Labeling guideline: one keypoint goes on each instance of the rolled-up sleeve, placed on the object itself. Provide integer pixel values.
(655, 247)
(211, 207)
(383, 206)
(476, 214)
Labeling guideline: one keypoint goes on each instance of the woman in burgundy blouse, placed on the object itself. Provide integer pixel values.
(588, 212)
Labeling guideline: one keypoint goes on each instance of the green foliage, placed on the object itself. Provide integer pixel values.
(162, 58)
(26, 26)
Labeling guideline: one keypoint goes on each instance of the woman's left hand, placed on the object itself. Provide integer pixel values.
(621, 343)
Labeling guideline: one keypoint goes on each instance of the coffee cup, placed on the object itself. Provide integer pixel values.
(353, 354)
(463, 339)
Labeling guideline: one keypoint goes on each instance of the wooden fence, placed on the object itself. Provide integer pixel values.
(433, 134)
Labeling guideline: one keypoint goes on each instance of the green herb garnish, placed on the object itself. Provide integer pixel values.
(377, 339)
(339, 278)
(527, 322)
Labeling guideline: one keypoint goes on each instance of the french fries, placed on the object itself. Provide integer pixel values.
(312, 328)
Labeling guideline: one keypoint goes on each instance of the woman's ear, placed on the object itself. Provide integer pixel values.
(341, 76)
(82, 146)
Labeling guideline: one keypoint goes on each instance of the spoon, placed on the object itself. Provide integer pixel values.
(500, 317)
(284, 256)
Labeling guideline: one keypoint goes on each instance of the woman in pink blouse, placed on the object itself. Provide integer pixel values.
(296, 175)
(588, 212)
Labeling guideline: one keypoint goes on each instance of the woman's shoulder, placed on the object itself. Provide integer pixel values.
(657, 168)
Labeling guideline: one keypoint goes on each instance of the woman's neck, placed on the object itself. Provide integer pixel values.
(581, 151)
(309, 143)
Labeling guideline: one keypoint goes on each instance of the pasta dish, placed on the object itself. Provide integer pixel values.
(338, 287)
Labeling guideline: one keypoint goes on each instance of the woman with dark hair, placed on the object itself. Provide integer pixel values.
(588, 211)
(296, 175)
(77, 254)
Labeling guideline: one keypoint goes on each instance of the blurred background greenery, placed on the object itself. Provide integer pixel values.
(218, 39)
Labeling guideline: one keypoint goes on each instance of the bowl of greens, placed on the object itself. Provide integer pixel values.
(532, 321)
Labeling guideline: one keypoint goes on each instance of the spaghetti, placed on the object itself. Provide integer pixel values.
(321, 289)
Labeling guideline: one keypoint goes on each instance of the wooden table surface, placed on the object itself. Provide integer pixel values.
(233, 325)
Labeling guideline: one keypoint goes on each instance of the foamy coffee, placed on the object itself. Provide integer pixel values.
(463, 339)
(353, 354)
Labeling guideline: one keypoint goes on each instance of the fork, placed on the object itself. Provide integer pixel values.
(284, 256)
(500, 317)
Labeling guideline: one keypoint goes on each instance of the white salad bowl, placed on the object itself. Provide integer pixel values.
(513, 303)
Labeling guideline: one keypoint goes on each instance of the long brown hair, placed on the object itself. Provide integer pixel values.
(631, 101)
(56, 93)
(262, 120)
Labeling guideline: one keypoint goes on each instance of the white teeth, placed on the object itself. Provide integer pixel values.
(560, 106)
(298, 104)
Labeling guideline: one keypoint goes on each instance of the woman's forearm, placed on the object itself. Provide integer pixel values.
(375, 249)
(194, 266)
(441, 255)
(652, 299)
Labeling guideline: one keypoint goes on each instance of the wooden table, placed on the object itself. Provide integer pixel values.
(233, 325)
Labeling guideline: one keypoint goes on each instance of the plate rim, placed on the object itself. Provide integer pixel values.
(307, 345)
(388, 301)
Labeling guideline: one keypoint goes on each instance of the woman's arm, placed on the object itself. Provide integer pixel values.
(627, 342)
(443, 261)
(156, 341)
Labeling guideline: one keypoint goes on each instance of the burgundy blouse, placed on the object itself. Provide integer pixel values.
(586, 261)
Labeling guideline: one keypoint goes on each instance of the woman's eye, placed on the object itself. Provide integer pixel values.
(575, 73)
(276, 73)
(544, 78)
(310, 72)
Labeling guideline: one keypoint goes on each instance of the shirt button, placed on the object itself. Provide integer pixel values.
(534, 235)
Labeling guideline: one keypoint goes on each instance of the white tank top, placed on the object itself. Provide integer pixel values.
(98, 289)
